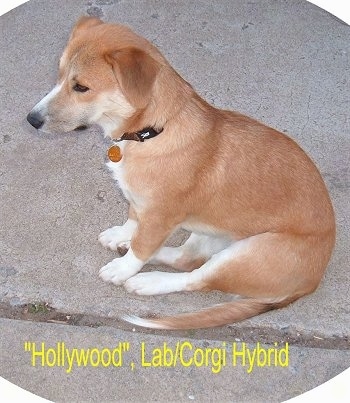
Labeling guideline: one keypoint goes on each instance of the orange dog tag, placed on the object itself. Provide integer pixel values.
(114, 154)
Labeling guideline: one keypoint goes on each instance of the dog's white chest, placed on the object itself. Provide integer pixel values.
(118, 173)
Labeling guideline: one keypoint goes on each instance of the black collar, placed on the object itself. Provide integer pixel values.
(142, 135)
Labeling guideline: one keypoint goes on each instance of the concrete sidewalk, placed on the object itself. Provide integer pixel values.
(285, 63)
(307, 368)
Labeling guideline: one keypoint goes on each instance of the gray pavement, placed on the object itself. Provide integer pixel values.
(308, 367)
(285, 63)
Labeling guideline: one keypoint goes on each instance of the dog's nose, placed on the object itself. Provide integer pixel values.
(35, 119)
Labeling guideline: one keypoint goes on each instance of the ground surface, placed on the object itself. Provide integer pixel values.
(285, 63)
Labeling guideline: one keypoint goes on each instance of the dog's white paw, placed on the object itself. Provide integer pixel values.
(120, 269)
(115, 273)
(114, 237)
(156, 282)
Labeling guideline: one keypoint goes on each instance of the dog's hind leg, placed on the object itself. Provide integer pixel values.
(273, 269)
(268, 265)
(154, 283)
(197, 249)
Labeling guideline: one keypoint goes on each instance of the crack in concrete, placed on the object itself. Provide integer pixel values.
(308, 114)
(249, 334)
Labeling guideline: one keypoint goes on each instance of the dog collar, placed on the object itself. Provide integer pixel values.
(142, 135)
(114, 152)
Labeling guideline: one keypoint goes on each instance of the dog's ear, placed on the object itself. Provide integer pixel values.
(135, 72)
(83, 24)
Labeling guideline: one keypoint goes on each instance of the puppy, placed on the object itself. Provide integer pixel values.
(261, 221)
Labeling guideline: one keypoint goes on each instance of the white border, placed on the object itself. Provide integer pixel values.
(335, 390)
(7, 5)
(11, 393)
(339, 8)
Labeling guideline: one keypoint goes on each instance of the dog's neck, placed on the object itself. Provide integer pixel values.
(170, 94)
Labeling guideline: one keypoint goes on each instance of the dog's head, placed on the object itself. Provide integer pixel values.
(106, 74)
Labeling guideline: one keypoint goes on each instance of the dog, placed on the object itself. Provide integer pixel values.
(261, 220)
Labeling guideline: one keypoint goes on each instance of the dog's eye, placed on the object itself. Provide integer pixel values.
(80, 88)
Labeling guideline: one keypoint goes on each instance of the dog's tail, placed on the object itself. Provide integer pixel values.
(217, 315)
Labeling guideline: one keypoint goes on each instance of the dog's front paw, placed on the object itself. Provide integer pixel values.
(118, 236)
(120, 269)
(114, 273)
(112, 237)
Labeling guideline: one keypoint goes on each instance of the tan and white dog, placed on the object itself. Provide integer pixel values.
(261, 218)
